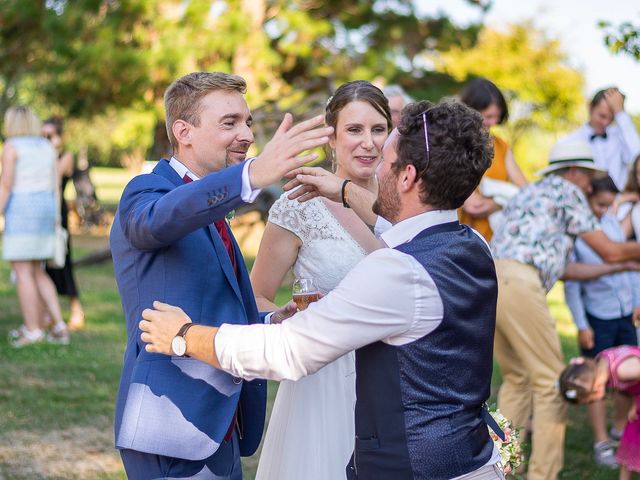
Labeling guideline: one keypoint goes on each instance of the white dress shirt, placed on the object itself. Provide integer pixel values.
(608, 297)
(616, 152)
(388, 297)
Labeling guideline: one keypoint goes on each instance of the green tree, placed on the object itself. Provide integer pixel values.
(101, 58)
(544, 94)
(543, 91)
(623, 38)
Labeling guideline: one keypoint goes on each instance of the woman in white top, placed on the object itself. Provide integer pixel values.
(28, 201)
(311, 430)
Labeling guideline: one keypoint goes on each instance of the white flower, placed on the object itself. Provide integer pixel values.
(510, 450)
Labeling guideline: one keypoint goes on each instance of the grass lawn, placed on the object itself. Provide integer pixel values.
(57, 402)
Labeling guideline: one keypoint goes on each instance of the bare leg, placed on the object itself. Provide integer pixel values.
(621, 406)
(597, 415)
(625, 474)
(28, 294)
(76, 321)
(49, 295)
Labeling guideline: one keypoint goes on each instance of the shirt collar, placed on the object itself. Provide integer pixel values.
(590, 131)
(181, 169)
(406, 230)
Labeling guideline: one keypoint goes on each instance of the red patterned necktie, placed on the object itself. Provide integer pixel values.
(223, 231)
(221, 226)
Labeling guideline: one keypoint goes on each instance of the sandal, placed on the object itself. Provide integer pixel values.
(76, 321)
(59, 334)
(21, 337)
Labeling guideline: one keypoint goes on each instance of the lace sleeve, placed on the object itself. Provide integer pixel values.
(289, 214)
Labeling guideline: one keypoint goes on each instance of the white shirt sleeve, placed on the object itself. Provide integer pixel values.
(380, 299)
(629, 135)
(248, 194)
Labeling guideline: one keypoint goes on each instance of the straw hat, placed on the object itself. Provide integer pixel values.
(570, 153)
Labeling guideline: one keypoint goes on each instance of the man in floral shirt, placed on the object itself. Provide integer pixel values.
(531, 248)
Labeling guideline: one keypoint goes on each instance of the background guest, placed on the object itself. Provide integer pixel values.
(63, 278)
(614, 145)
(627, 206)
(531, 248)
(483, 96)
(397, 98)
(602, 310)
(618, 368)
(27, 199)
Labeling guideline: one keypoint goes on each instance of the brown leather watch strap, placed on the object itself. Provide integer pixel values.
(184, 328)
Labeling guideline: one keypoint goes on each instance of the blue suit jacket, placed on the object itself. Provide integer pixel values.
(165, 248)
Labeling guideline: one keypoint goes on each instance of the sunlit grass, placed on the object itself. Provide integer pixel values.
(45, 389)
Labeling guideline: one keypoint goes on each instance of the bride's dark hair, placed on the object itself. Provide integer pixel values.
(358, 90)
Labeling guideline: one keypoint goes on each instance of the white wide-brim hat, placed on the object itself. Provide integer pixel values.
(570, 153)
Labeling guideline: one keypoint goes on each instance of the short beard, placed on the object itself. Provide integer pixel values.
(228, 161)
(387, 205)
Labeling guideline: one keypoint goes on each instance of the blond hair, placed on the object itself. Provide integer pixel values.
(21, 121)
(182, 98)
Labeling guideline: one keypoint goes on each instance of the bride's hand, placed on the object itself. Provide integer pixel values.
(315, 182)
(283, 313)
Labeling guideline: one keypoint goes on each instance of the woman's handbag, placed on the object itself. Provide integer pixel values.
(59, 247)
(60, 235)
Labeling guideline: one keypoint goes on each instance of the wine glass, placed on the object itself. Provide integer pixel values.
(304, 292)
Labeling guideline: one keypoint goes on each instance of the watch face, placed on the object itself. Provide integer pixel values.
(179, 346)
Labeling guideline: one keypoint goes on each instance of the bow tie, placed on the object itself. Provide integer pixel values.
(596, 135)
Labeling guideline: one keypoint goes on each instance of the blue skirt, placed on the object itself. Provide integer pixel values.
(29, 226)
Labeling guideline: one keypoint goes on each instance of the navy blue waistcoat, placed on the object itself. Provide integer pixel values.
(418, 405)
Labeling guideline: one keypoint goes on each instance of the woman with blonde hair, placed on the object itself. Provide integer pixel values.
(28, 202)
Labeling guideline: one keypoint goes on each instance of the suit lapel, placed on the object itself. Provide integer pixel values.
(225, 261)
(164, 169)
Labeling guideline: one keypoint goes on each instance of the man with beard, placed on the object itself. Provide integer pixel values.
(420, 314)
(177, 417)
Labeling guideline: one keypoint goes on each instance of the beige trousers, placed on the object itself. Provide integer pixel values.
(528, 352)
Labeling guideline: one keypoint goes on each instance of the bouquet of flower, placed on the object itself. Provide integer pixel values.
(510, 449)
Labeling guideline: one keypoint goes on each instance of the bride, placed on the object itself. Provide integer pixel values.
(311, 431)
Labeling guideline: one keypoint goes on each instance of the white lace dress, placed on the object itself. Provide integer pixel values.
(310, 434)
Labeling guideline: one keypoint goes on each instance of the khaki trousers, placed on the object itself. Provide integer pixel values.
(527, 349)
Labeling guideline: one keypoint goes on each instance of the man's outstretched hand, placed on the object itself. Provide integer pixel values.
(284, 152)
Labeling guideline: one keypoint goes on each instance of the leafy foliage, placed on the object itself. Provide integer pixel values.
(105, 64)
(624, 38)
(530, 68)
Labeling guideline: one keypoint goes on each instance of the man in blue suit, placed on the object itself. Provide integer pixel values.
(177, 417)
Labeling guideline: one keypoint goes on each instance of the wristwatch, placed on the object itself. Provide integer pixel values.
(179, 344)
